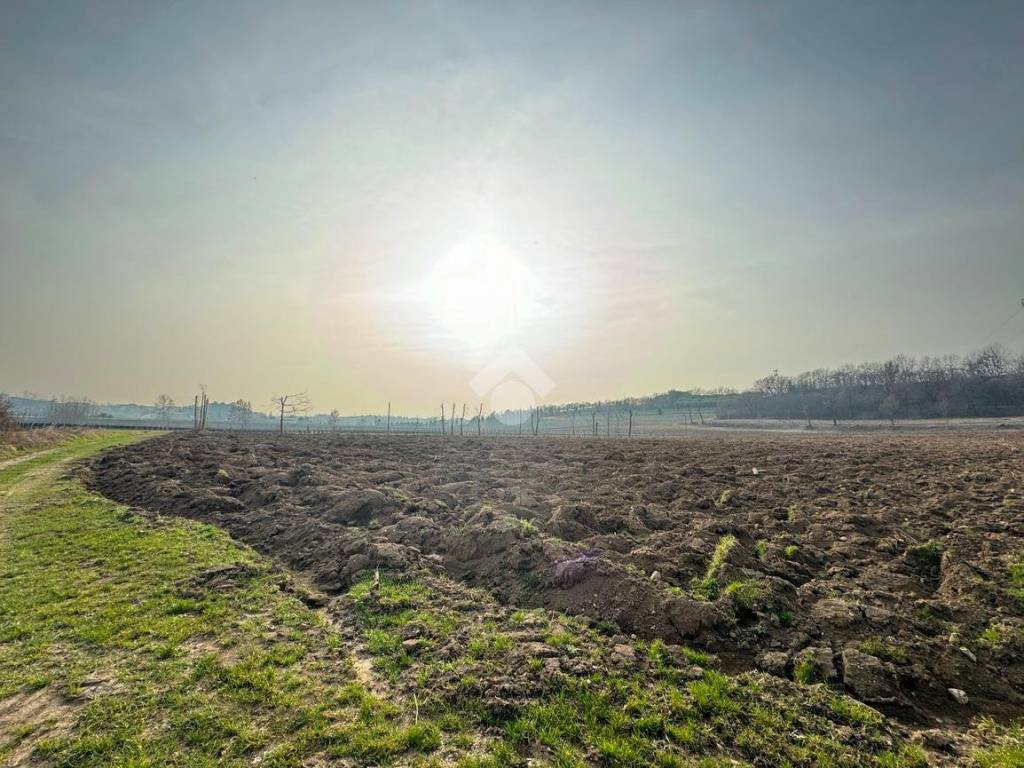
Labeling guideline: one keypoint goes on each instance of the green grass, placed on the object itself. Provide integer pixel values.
(875, 646)
(629, 721)
(925, 620)
(1007, 747)
(707, 587)
(806, 671)
(853, 712)
(722, 550)
(697, 657)
(74, 448)
(560, 639)
(743, 593)
(528, 528)
(1000, 634)
(14, 445)
(652, 714)
(908, 756)
(926, 557)
(488, 645)
(92, 617)
(1016, 573)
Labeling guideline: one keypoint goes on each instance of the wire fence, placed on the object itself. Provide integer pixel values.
(592, 423)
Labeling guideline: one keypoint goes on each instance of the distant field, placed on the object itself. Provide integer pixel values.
(607, 423)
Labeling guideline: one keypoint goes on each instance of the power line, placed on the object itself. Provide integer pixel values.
(1005, 322)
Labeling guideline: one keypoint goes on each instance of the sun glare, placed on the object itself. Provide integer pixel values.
(480, 295)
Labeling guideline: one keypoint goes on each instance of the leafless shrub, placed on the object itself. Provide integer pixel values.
(70, 410)
(7, 420)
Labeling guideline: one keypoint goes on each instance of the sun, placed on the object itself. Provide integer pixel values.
(480, 295)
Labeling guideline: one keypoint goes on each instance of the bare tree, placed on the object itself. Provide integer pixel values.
(988, 363)
(332, 420)
(889, 407)
(290, 405)
(774, 384)
(239, 414)
(163, 406)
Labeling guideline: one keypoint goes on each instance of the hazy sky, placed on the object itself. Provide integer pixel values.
(373, 201)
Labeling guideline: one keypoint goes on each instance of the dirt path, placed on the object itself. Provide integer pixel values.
(19, 459)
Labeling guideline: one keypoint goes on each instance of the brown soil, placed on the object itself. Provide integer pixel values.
(28, 716)
(905, 542)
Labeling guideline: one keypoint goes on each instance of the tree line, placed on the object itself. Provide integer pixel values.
(985, 383)
(988, 382)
